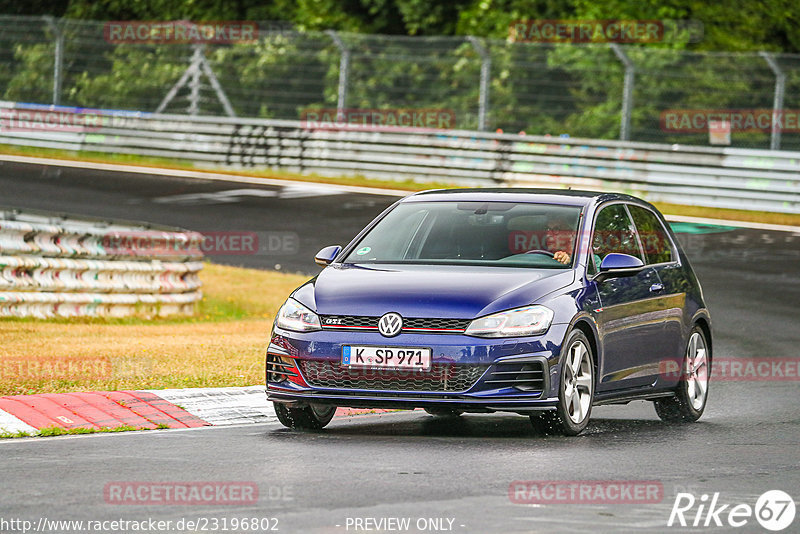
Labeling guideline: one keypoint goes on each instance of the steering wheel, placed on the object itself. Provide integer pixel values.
(540, 251)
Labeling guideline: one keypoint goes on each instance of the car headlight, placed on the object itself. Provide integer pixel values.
(294, 316)
(528, 321)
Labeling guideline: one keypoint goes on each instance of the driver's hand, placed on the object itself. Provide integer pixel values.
(561, 257)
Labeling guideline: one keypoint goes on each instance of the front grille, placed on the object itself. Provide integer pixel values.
(438, 324)
(442, 377)
(523, 375)
(335, 321)
(410, 324)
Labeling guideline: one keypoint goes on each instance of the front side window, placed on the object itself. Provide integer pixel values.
(613, 232)
(513, 234)
(655, 241)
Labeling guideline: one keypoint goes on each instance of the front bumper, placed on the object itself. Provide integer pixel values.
(516, 375)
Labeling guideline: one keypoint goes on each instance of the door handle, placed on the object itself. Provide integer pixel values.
(655, 288)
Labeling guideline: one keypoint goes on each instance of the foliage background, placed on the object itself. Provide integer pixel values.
(414, 54)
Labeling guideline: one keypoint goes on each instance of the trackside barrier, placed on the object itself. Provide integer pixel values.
(63, 267)
(704, 176)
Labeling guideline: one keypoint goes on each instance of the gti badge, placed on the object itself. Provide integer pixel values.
(390, 324)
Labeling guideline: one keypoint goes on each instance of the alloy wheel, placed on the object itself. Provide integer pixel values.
(578, 382)
(697, 371)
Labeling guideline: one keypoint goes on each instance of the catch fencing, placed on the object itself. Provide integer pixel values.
(603, 90)
(64, 267)
(703, 176)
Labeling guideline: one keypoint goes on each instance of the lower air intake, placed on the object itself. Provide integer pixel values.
(441, 378)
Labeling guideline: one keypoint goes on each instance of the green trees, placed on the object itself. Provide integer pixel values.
(426, 62)
(734, 25)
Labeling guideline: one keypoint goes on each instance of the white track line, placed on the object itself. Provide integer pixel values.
(203, 175)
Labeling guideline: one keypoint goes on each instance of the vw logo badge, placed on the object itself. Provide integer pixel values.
(390, 324)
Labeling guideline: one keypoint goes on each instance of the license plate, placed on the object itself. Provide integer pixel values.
(387, 357)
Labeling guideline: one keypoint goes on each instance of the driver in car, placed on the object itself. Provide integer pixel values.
(558, 238)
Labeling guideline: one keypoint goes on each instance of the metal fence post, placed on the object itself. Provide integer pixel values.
(486, 72)
(212, 79)
(777, 103)
(191, 77)
(627, 92)
(58, 60)
(344, 73)
(194, 81)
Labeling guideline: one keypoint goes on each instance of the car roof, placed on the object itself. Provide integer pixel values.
(519, 194)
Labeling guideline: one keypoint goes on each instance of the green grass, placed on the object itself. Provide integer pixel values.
(51, 431)
(59, 431)
(788, 219)
(18, 434)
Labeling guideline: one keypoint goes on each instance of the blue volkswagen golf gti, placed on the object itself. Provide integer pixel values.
(542, 303)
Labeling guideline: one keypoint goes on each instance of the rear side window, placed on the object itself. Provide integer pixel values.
(655, 241)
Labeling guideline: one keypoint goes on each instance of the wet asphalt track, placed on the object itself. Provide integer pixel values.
(410, 464)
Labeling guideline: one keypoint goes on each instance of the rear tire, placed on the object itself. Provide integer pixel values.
(575, 390)
(311, 417)
(691, 394)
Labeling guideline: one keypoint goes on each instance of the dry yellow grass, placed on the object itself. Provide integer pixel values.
(223, 346)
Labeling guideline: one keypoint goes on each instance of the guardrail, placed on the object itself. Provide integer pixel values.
(62, 267)
(715, 177)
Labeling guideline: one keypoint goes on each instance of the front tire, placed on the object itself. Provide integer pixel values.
(311, 417)
(691, 394)
(575, 390)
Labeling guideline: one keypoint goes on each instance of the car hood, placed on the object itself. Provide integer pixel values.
(462, 292)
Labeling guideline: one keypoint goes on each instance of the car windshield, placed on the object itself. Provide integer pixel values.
(483, 233)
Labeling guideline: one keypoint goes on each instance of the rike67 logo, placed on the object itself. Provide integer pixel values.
(774, 510)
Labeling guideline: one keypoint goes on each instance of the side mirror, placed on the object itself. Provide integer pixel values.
(616, 265)
(326, 255)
